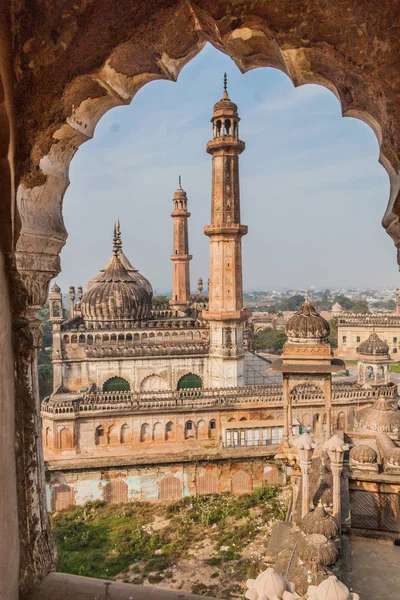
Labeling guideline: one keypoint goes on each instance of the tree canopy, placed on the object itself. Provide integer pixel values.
(269, 339)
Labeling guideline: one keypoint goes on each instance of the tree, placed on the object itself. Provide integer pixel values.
(333, 335)
(325, 303)
(269, 339)
(390, 304)
(160, 302)
(344, 302)
(292, 303)
(360, 307)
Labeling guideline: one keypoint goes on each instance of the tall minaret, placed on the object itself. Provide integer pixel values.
(181, 257)
(225, 310)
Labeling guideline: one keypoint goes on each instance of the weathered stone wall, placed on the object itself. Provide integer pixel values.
(158, 483)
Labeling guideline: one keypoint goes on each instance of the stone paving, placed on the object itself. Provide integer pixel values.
(375, 569)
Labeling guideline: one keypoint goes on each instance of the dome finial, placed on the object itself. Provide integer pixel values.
(180, 182)
(307, 295)
(225, 92)
(117, 246)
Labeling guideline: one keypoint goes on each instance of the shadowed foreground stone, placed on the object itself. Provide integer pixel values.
(60, 586)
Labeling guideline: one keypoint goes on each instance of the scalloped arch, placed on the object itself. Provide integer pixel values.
(132, 63)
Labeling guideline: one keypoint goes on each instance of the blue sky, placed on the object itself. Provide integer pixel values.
(312, 191)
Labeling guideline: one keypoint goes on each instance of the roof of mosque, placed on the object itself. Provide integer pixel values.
(119, 293)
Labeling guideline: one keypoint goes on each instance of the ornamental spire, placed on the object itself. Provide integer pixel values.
(180, 182)
(225, 92)
(117, 246)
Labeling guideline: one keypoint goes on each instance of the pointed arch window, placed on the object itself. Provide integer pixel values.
(190, 381)
(116, 384)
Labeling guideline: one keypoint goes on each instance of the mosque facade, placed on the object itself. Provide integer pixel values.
(159, 403)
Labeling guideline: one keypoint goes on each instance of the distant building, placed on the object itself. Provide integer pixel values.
(353, 330)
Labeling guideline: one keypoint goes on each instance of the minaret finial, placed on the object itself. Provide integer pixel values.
(180, 181)
(117, 246)
(307, 295)
(225, 82)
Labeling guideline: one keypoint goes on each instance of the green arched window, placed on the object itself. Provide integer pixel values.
(189, 382)
(116, 384)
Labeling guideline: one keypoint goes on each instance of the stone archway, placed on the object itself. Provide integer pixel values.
(60, 71)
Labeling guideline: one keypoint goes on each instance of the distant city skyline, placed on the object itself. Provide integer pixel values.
(312, 191)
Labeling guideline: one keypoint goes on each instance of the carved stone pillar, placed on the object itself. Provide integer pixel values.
(37, 552)
(305, 445)
(336, 448)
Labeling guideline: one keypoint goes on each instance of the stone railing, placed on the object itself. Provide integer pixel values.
(191, 398)
(204, 398)
(355, 393)
(368, 320)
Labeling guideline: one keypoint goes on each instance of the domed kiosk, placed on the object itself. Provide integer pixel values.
(307, 359)
(373, 362)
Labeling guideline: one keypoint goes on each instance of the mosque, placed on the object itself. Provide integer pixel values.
(157, 404)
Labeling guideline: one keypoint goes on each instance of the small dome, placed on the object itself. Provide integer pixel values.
(363, 454)
(268, 584)
(373, 346)
(307, 325)
(332, 589)
(382, 416)
(55, 289)
(337, 307)
(319, 521)
(316, 550)
(393, 457)
(119, 293)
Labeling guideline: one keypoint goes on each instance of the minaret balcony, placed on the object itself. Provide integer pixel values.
(225, 141)
(234, 229)
(181, 257)
(180, 212)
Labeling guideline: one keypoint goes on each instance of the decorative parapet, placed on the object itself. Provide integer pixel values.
(270, 395)
(191, 398)
(368, 320)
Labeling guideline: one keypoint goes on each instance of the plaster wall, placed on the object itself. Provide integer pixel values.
(159, 483)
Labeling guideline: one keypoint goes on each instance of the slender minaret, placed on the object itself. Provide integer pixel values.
(56, 319)
(225, 310)
(181, 257)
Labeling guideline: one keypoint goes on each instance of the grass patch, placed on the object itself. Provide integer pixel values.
(99, 540)
(395, 367)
